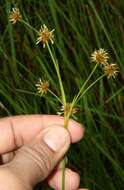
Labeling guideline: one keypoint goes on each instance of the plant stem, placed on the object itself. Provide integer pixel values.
(27, 24)
(81, 90)
(55, 95)
(90, 87)
(64, 104)
(66, 120)
(63, 174)
(58, 74)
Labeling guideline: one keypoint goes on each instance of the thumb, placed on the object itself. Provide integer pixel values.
(35, 161)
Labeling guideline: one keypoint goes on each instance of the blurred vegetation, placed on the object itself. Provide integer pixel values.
(80, 27)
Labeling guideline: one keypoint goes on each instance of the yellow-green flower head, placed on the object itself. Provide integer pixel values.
(111, 70)
(45, 35)
(100, 56)
(42, 86)
(15, 16)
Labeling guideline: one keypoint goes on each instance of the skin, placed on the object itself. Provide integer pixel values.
(19, 131)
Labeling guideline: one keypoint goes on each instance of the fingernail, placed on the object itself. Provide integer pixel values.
(56, 138)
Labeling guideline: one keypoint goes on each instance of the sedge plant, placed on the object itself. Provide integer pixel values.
(100, 57)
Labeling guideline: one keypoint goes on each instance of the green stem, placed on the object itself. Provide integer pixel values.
(27, 24)
(63, 174)
(89, 87)
(58, 74)
(55, 96)
(66, 120)
(64, 103)
(35, 94)
(81, 90)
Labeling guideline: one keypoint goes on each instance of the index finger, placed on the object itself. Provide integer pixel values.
(18, 130)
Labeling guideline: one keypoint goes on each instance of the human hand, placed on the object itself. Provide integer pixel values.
(31, 147)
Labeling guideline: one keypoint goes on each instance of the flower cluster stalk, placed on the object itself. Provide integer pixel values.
(29, 26)
(58, 74)
(66, 119)
(79, 95)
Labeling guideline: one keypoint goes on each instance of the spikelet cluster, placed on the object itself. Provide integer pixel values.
(66, 109)
(45, 35)
(15, 16)
(42, 86)
(111, 70)
(101, 57)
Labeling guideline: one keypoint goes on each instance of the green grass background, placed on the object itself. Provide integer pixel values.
(80, 27)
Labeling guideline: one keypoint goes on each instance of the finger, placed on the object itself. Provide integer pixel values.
(72, 180)
(35, 161)
(18, 130)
